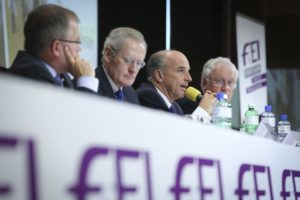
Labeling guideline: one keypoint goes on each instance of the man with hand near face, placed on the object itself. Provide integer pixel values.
(218, 75)
(52, 46)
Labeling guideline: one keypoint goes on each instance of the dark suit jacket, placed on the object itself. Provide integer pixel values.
(106, 90)
(29, 66)
(3, 69)
(187, 106)
(149, 97)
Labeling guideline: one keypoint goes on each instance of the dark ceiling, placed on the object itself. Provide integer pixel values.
(282, 19)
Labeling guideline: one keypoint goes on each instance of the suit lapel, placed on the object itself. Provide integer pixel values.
(105, 88)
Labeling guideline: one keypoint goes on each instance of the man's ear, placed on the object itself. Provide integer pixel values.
(108, 54)
(159, 77)
(56, 48)
(205, 82)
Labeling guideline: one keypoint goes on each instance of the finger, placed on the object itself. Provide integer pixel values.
(69, 56)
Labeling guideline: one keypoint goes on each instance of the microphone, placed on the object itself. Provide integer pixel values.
(193, 94)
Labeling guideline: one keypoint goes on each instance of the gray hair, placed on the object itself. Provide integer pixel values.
(117, 37)
(211, 64)
(157, 61)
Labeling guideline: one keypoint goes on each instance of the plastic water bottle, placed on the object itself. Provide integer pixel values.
(268, 117)
(221, 115)
(251, 119)
(283, 128)
(229, 115)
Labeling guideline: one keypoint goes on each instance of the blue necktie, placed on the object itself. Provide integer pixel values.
(119, 95)
(59, 81)
(172, 109)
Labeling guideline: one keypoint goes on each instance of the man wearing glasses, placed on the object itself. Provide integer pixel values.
(52, 46)
(218, 75)
(123, 56)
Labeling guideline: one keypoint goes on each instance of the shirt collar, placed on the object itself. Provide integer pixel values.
(112, 83)
(50, 69)
(166, 100)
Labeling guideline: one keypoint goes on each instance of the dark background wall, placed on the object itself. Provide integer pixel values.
(145, 16)
(205, 29)
(196, 27)
(197, 32)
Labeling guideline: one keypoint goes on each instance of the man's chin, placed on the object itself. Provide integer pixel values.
(127, 83)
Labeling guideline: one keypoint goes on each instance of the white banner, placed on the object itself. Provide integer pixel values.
(251, 50)
(66, 145)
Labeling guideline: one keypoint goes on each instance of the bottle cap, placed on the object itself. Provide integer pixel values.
(251, 105)
(283, 117)
(220, 95)
(268, 108)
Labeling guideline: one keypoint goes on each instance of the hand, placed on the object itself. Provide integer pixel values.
(207, 102)
(79, 66)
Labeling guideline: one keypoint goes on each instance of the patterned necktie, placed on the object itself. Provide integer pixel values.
(172, 109)
(119, 95)
(59, 81)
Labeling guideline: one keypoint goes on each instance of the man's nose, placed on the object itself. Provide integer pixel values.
(188, 77)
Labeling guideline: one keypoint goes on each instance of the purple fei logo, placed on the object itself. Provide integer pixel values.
(11, 144)
(253, 181)
(251, 52)
(81, 189)
(248, 173)
(292, 180)
(204, 191)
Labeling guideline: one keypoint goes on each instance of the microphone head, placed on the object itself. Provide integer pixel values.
(193, 94)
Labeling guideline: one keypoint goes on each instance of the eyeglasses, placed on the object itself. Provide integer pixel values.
(221, 83)
(70, 41)
(131, 61)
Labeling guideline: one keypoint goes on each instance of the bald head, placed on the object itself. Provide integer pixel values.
(160, 59)
(168, 70)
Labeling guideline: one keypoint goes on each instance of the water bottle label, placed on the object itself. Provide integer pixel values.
(269, 120)
(220, 112)
(252, 120)
(228, 112)
(283, 129)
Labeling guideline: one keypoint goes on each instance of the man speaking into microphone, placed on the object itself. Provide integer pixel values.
(168, 78)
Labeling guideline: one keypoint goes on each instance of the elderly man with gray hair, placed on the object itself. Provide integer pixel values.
(123, 56)
(218, 75)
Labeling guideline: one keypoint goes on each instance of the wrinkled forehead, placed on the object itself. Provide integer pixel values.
(176, 60)
(223, 71)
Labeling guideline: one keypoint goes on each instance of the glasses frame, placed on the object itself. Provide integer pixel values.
(70, 41)
(128, 60)
(221, 83)
(131, 61)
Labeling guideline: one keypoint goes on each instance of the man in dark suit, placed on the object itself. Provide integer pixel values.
(52, 46)
(168, 77)
(123, 56)
(150, 97)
